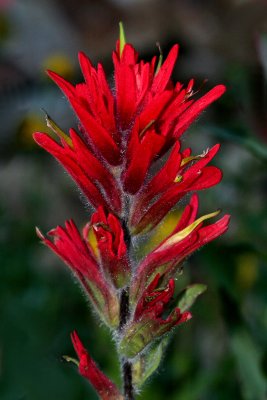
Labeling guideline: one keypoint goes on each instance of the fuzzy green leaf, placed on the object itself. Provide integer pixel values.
(149, 362)
(189, 296)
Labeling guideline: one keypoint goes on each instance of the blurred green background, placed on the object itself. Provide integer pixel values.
(222, 352)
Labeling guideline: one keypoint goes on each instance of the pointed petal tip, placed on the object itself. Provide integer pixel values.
(84, 61)
(39, 233)
(67, 88)
(82, 55)
(194, 201)
(51, 73)
(173, 53)
(74, 336)
(226, 220)
(176, 48)
(217, 147)
(77, 344)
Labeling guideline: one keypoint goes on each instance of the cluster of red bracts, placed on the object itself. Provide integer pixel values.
(123, 131)
(145, 118)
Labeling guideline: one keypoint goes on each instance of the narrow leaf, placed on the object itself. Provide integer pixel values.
(57, 130)
(189, 296)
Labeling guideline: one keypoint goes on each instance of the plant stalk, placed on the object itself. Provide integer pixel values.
(124, 316)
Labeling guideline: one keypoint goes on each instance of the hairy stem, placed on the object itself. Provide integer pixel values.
(124, 316)
(126, 365)
(127, 380)
(124, 307)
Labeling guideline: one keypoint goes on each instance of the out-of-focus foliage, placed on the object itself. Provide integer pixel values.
(222, 352)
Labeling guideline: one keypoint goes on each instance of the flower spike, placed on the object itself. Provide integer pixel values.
(125, 155)
(145, 113)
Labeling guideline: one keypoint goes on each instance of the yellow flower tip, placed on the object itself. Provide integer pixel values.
(177, 237)
(57, 130)
(160, 61)
(194, 158)
(178, 179)
(122, 37)
(92, 240)
(141, 134)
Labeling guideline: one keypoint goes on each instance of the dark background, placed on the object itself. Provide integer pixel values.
(222, 352)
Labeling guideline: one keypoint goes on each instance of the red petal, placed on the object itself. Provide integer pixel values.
(126, 95)
(189, 214)
(67, 88)
(209, 177)
(93, 168)
(160, 182)
(100, 137)
(154, 108)
(70, 164)
(137, 169)
(162, 78)
(85, 65)
(105, 388)
(196, 108)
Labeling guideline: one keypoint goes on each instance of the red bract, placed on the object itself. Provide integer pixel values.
(95, 180)
(180, 174)
(148, 323)
(154, 300)
(104, 387)
(188, 236)
(79, 256)
(143, 116)
(112, 248)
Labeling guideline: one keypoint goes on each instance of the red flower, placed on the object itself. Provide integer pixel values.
(147, 323)
(188, 236)
(79, 256)
(104, 387)
(112, 248)
(130, 127)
